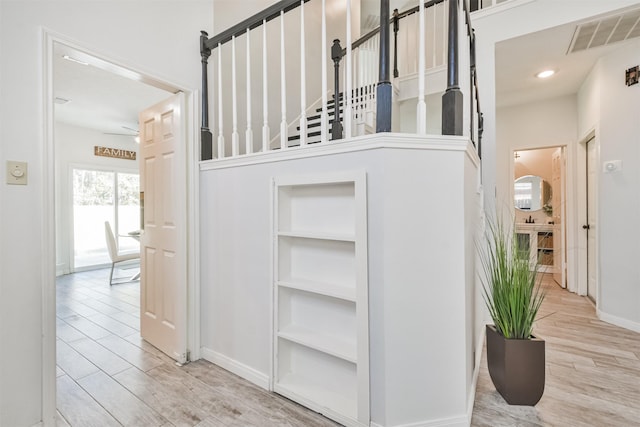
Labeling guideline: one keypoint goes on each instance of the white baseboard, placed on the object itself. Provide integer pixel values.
(240, 369)
(460, 421)
(618, 321)
(476, 372)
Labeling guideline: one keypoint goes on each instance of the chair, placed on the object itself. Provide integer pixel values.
(116, 257)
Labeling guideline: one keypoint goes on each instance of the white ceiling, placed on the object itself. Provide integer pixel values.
(518, 60)
(99, 99)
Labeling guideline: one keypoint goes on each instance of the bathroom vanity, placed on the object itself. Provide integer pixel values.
(539, 238)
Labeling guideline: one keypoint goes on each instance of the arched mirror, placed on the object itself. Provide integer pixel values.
(531, 193)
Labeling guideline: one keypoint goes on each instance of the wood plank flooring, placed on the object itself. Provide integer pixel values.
(108, 376)
(592, 371)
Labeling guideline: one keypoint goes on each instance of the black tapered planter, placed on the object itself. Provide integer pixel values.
(516, 367)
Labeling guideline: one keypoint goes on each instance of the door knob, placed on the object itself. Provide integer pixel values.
(586, 227)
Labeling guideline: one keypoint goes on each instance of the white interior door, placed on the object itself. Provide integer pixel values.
(163, 250)
(590, 226)
(558, 197)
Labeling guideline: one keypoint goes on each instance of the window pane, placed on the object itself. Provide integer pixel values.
(93, 198)
(128, 210)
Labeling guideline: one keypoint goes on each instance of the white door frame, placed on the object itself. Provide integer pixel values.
(48, 266)
(569, 201)
(581, 217)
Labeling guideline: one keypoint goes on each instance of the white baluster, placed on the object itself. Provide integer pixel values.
(422, 106)
(249, 133)
(220, 122)
(324, 131)
(265, 91)
(348, 80)
(445, 26)
(303, 81)
(283, 87)
(434, 39)
(235, 138)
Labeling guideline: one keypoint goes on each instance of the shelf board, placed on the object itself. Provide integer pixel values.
(322, 400)
(328, 344)
(326, 289)
(343, 237)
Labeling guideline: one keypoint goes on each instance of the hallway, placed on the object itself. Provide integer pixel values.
(592, 376)
(108, 376)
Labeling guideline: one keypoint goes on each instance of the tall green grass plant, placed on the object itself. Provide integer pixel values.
(511, 288)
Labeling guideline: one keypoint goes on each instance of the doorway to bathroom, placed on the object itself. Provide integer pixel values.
(539, 200)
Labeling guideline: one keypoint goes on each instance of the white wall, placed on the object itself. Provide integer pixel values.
(74, 146)
(422, 207)
(509, 20)
(157, 37)
(611, 107)
(547, 123)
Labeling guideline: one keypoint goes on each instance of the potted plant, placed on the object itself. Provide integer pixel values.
(512, 292)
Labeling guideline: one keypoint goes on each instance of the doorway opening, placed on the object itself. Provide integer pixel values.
(97, 328)
(540, 204)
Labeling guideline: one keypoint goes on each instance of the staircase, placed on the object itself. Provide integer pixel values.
(363, 106)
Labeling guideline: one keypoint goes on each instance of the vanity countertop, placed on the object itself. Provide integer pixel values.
(534, 226)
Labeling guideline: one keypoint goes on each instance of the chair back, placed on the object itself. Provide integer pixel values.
(112, 246)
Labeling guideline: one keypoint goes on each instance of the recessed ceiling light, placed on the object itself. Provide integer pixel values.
(61, 101)
(545, 74)
(72, 59)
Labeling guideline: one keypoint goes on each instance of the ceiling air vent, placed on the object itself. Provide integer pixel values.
(606, 31)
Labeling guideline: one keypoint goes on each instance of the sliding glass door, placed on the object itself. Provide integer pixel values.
(100, 196)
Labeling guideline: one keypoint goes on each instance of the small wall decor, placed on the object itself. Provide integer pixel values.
(114, 152)
(632, 75)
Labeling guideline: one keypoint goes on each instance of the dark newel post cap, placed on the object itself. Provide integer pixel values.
(336, 50)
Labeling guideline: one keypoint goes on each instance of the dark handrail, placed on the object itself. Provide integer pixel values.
(252, 22)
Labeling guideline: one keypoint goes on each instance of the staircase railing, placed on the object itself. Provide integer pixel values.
(366, 53)
(366, 99)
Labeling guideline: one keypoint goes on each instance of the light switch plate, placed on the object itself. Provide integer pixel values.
(612, 166)
(16, 173)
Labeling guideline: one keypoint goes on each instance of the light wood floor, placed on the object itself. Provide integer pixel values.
(592, 371)
(108, 376)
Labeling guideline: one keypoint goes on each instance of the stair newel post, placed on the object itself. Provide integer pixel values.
(384, 89)
(396, 28)
(336, 56)
(206, 139)
(324, 117)
(249, 132)
(452, 102)
(303, 80)
(220, 117)
(265, 90)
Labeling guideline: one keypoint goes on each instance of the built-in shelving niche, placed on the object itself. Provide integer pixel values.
(321, 325)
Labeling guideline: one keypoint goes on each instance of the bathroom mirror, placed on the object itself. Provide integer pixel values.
(531, 193)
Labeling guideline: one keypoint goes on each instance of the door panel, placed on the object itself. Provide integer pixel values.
(163, 316)
(557, 185)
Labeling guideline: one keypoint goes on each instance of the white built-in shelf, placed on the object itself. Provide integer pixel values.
(299, 388)
(321, 328)
(318, 235)
(320, 288)
(329, 344)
